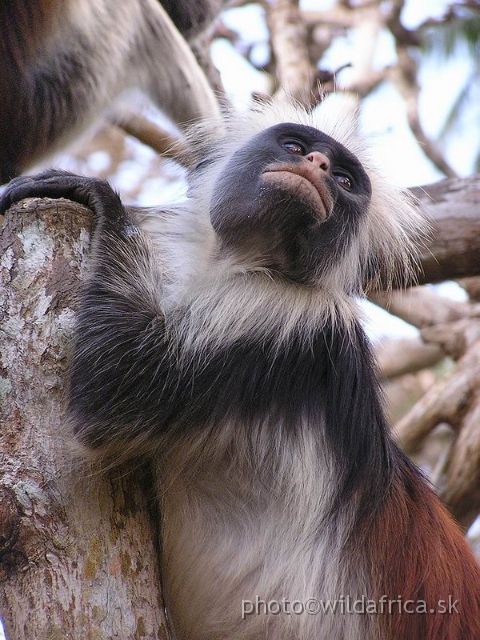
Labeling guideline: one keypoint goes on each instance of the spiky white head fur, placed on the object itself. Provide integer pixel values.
(217, 290)
(394, 224)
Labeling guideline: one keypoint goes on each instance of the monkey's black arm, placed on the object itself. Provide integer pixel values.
(122, 382)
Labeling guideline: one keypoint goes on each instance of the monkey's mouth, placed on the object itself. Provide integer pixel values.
(305, 183)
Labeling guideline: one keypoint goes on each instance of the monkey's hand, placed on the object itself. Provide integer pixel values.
(93, 193)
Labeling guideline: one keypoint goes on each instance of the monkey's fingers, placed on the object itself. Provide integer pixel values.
(93, 193)
(49, 184)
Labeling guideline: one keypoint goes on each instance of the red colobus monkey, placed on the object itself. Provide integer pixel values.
(64, 62)
(221, 338)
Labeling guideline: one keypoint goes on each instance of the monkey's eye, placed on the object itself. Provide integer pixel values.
(343, 181)
(295, 147)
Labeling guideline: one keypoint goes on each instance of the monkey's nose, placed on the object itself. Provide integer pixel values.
(319, 159)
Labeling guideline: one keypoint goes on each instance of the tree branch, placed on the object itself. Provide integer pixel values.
(77, 557)
(151, 134)
(453, 206)
(289, 45)
(398, 357)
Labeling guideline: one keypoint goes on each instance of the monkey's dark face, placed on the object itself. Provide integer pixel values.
(291, 200)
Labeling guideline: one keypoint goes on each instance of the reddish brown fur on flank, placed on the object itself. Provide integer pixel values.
(417, 552)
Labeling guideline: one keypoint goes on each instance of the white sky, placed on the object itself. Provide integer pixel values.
(383, 113)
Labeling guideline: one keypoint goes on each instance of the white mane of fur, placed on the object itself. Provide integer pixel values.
(218, 293)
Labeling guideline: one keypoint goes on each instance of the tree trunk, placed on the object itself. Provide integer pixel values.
(78, 554)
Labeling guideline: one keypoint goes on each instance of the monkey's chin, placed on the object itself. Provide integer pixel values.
(302, 188)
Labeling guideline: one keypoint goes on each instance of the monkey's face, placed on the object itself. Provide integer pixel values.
(292, 199)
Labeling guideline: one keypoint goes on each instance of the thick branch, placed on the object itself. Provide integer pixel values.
(453, 206)
(77, 554)
(337, 17)
(461, 489)
(423, 306)
(454, 400)
(398, 357)
(151, 134)
(446, 402)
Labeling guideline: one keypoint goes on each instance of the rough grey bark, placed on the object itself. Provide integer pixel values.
(454, 208)
(77, 550)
